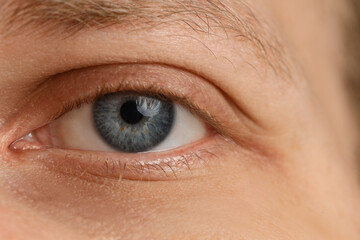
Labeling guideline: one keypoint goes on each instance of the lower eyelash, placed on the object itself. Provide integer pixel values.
(141, 166)
(169, 168)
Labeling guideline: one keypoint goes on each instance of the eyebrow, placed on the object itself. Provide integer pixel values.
(71, 16)
(212, 17)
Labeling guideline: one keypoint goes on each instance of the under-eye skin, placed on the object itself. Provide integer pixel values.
(131, 122)
(140, 121)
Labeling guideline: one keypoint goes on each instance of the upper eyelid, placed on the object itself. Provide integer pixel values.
(151, 92)
(148, 90)
(76, 79)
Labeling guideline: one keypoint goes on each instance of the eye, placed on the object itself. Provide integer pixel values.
(131, 121)
(124, 122)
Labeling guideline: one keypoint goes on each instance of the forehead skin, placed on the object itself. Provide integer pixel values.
(290, 70)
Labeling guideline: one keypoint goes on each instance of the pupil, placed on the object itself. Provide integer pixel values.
(129, 113)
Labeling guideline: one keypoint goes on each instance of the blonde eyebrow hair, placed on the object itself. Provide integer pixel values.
(71, 16)
(74, 15)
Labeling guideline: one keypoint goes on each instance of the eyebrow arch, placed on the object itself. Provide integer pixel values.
(225, 18)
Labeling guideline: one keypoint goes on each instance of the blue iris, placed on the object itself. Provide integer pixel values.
(133, 123)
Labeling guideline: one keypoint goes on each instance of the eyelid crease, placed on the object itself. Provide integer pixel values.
(159, 93)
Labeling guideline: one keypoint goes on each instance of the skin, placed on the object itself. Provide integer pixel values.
(299, 181)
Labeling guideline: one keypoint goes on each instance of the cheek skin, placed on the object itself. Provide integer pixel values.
(199, 207)
(17, 222)
(234, 202)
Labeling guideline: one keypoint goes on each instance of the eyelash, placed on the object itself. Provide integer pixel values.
(173, 166)
(154, 93)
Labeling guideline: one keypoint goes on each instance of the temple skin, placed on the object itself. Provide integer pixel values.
(291, 172)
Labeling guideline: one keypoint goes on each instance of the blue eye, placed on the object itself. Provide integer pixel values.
(125, 122)
(133, 123)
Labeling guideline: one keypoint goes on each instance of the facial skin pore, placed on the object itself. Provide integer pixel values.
(286, 165)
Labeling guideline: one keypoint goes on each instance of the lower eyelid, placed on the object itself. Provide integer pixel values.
(189, 161)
